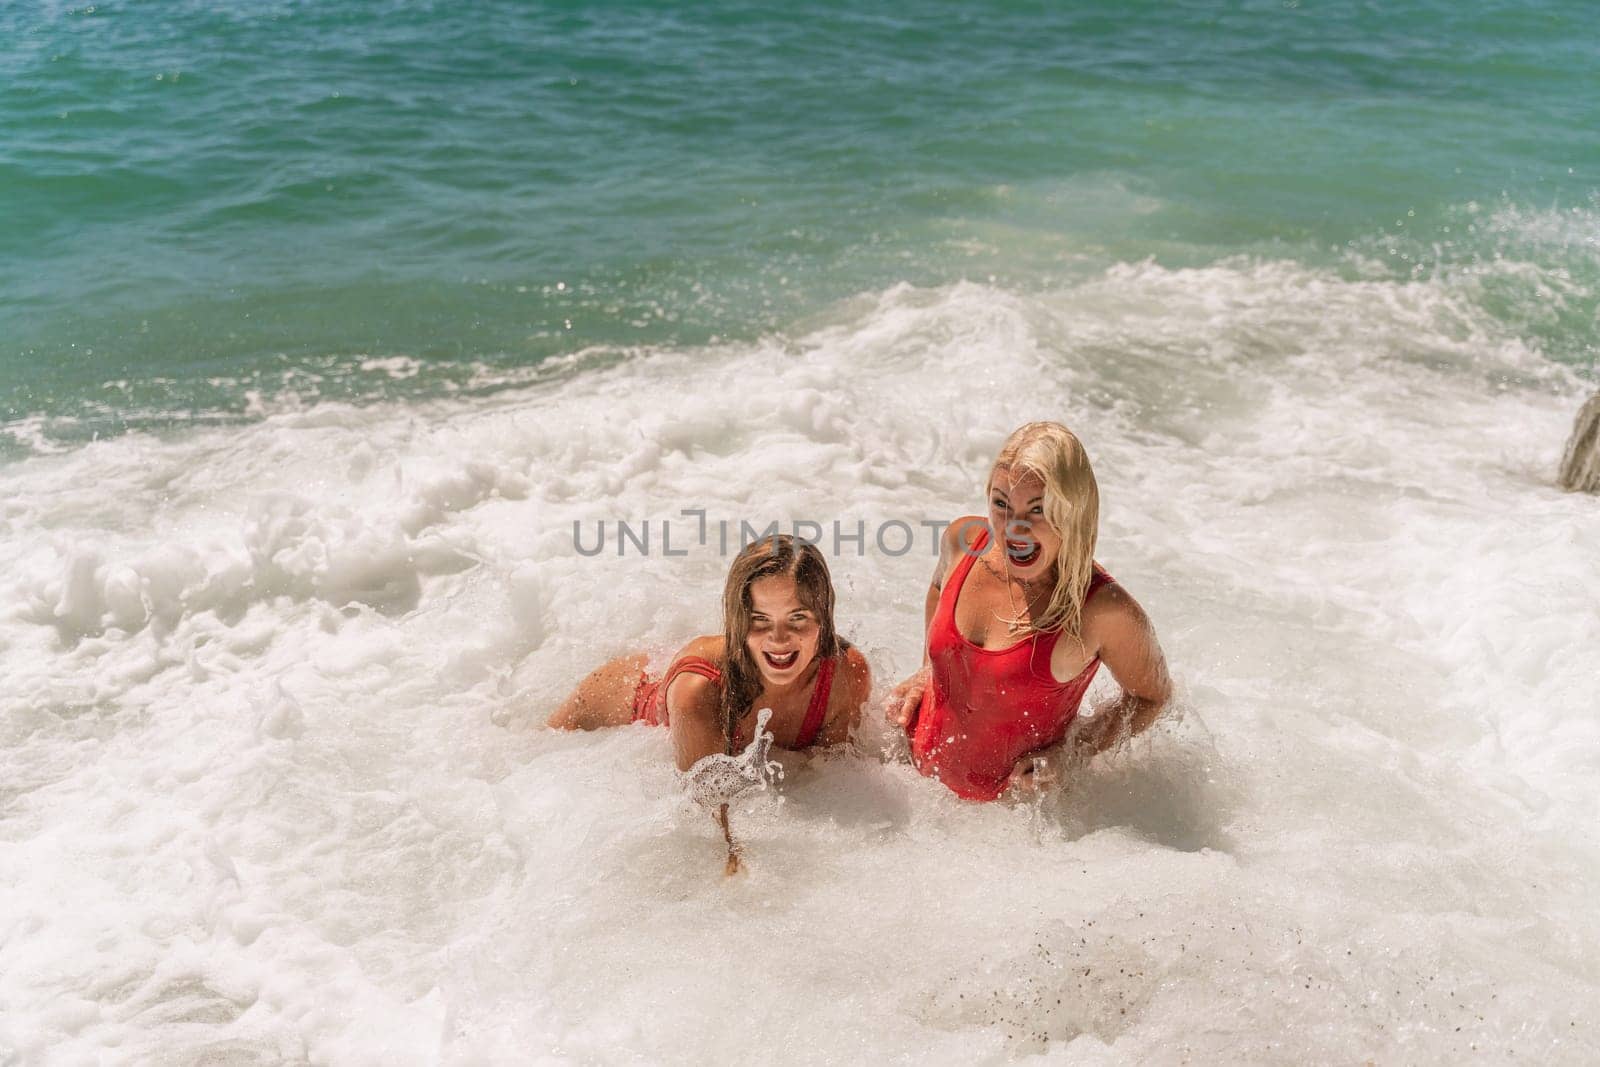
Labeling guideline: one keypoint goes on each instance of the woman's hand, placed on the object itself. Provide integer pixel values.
(1035, 773)
(1095, 729)
(901, 705)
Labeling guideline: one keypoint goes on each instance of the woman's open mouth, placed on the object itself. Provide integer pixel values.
(783, 662)
(1023, 553)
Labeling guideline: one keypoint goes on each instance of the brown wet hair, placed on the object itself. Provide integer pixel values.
(778, 555)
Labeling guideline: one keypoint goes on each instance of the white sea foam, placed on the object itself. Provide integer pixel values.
(274, 784)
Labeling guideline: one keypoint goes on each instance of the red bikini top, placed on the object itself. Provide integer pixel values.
(984, 709)
(816, 711)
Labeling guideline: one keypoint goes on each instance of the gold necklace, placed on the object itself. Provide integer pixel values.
(1016, 624)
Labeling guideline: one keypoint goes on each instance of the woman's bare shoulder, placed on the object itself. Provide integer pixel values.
(851, 689)
(859, 674)
(690, 691)
(1113, 613)
(963, 533)
(960, 537)
(706, 646)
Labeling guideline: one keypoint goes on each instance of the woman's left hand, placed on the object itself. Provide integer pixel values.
(900, 707)
(1034, 774)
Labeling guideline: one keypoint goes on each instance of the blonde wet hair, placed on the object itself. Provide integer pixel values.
(1071, 507)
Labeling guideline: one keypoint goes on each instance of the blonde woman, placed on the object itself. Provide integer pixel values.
(1018, 624)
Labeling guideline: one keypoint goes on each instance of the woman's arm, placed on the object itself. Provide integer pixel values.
(856, 678)
(1129, 649)
(694, 709)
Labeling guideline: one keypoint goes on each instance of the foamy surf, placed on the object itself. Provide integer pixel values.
(276, 785)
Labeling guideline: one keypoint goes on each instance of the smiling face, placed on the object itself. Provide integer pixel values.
(1016, 509)
(784, 633)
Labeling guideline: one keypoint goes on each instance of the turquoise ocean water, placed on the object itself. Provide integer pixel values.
(206, 208)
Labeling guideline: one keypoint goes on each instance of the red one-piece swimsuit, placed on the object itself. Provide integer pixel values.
(984, 709)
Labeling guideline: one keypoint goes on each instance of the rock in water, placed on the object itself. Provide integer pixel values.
(1580, 467)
